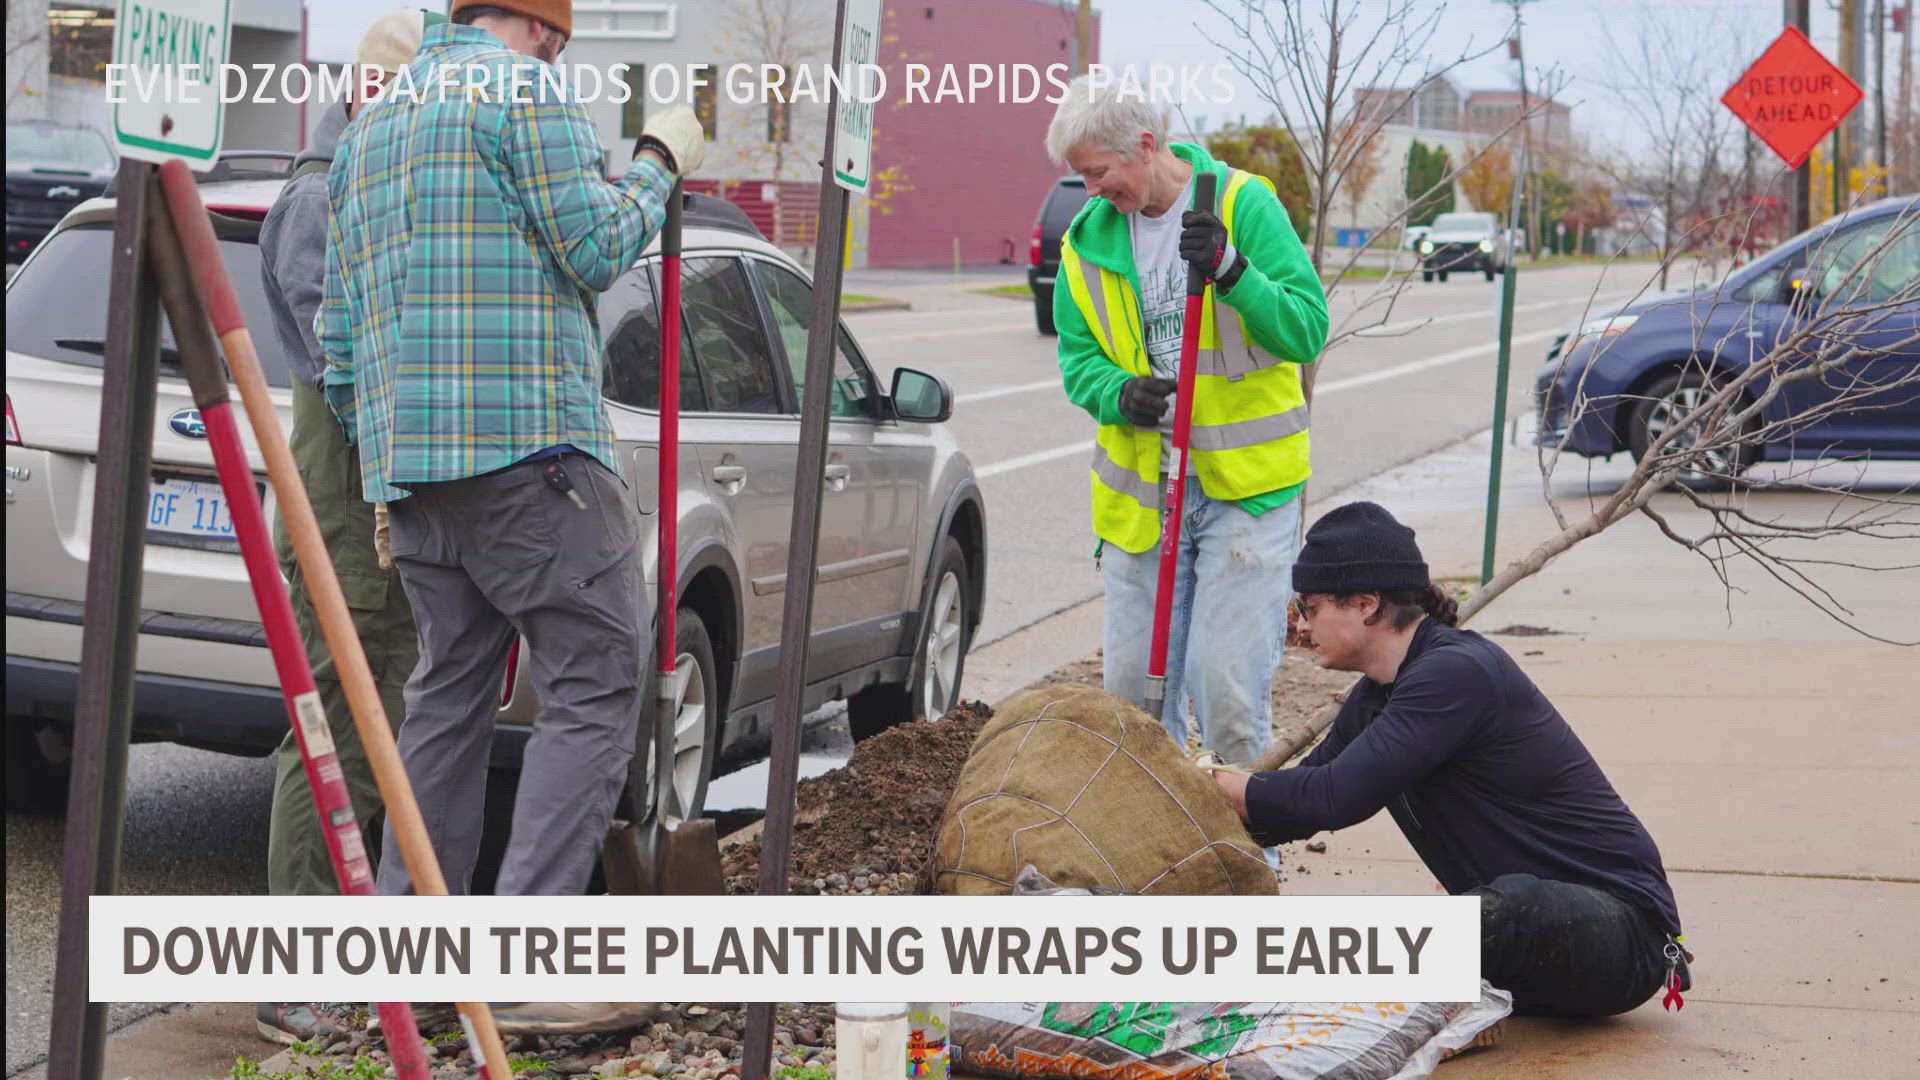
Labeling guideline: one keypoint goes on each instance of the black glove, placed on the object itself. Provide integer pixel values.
(1144, 399)
(1204, 243)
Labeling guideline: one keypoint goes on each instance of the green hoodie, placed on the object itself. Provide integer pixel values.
(1278, 296)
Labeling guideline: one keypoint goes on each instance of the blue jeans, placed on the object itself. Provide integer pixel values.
(1234, 579)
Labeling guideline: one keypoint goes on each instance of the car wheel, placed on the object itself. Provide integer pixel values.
(1443, 275)
(696, 728)
(39, 765)
(933, 686)
(1043, 311)
(1661, 406)
(1489, 273)
(1426, 275)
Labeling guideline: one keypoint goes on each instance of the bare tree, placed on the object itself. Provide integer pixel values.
(1336, 73)
(784, 36)
(1671, 85)
(1700, 430)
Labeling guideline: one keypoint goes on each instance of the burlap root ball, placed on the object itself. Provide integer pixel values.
(1089, 789)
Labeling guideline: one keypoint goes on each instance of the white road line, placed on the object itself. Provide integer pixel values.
(1335, 387)
(1491, 314)
(1006, 391)
(1438, 360)
(921, 335)
(1040, 457)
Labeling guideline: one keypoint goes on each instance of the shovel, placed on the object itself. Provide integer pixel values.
(1177, 480)
(667, 856)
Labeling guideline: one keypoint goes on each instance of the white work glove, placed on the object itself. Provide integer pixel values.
(676, 135)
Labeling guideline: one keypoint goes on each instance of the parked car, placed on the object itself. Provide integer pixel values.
(1620, 379)
(1069, 194)
(902, 563)
(1411, 236)
(51, 168)
(1468, 240)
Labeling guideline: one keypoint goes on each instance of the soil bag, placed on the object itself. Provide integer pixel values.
(1229, 1040)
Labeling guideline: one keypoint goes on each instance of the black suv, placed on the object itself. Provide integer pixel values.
(51, 168)
(1065, 200)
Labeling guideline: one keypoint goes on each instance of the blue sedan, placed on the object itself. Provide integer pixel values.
(1619, 381)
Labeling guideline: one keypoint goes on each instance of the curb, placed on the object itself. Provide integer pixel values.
(875, 305)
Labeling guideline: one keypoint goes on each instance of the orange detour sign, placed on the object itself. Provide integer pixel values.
(1792, 97)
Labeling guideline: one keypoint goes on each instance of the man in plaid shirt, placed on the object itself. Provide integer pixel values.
(471, 229)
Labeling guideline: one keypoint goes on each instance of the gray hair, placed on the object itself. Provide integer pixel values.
(1106, 114)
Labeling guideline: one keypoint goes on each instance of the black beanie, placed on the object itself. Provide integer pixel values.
(1359, 548)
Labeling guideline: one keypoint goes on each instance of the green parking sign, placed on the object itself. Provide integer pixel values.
(164, 80)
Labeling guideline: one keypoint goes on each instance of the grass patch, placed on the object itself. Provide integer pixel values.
(1355, 273)
(861, 298)
(1017, 291)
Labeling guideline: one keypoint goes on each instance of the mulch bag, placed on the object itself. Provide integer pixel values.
(1230, 1040)
(1094, 794)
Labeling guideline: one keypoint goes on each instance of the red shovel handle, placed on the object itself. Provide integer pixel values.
(1177, 480)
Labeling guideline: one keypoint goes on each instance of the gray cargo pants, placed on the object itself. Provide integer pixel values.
(485, 558)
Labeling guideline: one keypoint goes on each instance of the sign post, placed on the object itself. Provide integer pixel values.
(155, 38)
(846, 168)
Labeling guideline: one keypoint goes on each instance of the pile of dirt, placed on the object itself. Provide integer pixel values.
(868, 827)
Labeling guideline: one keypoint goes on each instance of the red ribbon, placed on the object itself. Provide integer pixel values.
(1673, 1000)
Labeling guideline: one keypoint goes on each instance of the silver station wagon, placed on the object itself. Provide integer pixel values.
(902, 556)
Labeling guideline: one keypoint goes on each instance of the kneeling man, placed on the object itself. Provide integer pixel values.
(1491, 787)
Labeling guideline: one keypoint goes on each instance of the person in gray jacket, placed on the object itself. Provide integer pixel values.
(293, 263)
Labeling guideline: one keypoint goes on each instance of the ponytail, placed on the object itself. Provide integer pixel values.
(1403, 607)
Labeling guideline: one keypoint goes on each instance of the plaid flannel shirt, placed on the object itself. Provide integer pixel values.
(470, 231)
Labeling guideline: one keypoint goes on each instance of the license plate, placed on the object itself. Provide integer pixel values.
(185, 507)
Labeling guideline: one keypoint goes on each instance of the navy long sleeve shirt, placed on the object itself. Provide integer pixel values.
(1480, 772)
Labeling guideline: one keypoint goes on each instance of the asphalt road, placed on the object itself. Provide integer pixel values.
(196, 821)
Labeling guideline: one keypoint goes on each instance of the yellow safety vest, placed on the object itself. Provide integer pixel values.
(1249, 433)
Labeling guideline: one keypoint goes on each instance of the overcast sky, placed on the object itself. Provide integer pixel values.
(1568, 35)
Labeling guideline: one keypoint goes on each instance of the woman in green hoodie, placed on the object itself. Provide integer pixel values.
(1121, 317)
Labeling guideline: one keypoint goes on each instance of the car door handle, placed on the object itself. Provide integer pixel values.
(836, 476)
(729, 476)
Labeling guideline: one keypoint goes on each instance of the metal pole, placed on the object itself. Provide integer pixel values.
(103, 713)
(1083, 38)
(783, 770)
(1797, 15)
(1847, 143)
(1880, 88)
(1499, 410)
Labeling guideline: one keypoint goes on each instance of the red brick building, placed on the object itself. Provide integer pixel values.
(975, 172)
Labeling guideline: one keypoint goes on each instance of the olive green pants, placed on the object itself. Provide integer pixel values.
(297, 860)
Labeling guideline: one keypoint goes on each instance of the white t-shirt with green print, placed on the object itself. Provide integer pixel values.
(1163, 300)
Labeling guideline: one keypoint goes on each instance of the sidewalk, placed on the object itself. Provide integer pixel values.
(1770, 751)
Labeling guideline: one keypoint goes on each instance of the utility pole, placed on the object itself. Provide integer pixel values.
(1880, 87)
(1909, 168)
(1847, 145)
(1515, 51)
(1797, 14)
(1083, 38)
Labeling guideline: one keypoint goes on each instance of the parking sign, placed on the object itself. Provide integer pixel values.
(165, 80)
(852, 118)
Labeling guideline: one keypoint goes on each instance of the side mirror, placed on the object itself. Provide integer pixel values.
(920, 397)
